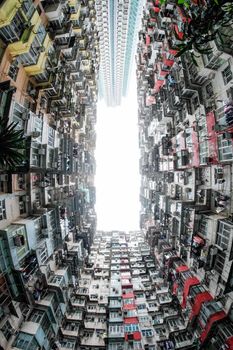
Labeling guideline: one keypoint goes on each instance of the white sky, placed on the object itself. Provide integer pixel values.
(117, 158)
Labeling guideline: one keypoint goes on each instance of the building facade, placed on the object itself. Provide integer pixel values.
(63, 285)
(48, 88)
(185, 136)
(117, 23)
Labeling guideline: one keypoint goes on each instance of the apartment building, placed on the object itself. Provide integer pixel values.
(48, 88)
(186, 159)
(117, 23)
(132, 301)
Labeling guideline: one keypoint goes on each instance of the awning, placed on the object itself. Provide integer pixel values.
(229, 343)
(129, 307)
(179, 34)
(158, 84)
(198, 301)
(147, 40)
(191, 281)
(168, 62)
(183, 15)
(174, 289)
(156, 9)
(173, 52)
(163, 73)
(182, 268)
(128, 295)
(214, 318)
(136, 336)
(198, 240)
(131, 320)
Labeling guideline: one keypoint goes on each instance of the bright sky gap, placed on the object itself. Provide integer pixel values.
(117, 159)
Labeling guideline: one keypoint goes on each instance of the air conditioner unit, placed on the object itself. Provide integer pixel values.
(45, 232)
(13, 331)
(213, 251)
(42, 151)
(36, 134)
(25, 115)
(211, 76)
(4, 177)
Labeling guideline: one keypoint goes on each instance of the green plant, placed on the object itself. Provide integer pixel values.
(12, 144)
(206, 21)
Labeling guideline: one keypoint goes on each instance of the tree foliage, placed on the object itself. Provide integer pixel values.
(12, 144)
(207, 20)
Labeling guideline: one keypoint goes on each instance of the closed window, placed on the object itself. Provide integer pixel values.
(13, 70)
(36, 316)
(7, 330)
(2, 210)
(227, 74)
(25, 341)
(13, 32)
(223, 235)
(219, 262)
(225, 148)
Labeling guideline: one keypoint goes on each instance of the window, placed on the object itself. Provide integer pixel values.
(209, 90)
(116, 329)
(203, 226)
(7, 330)
(147, 333)
(36, 316)
(51, 137)
(25, 341)
(223, 235)
(208, 309)
(225, 148)
(131, 328)
(36, 48)
(35, 157)
(42, 77)
(19, 239)
(13, 32)
(57, 280)
(68, 344)
(28, 8)
(213, 61)
(219, 262)
(20, 114)
(2, 210)
(227, 75)
(13, 70)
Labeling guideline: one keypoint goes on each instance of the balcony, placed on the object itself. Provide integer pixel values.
(94, 322)
(54, 12)
(183, 340)
(176, 324)
(8, 10)
(39, 67)
(24, 44)
(67, 344)
(70, 329)
(74, 315)
(116, 331)
(93, 338)
(164, 298)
